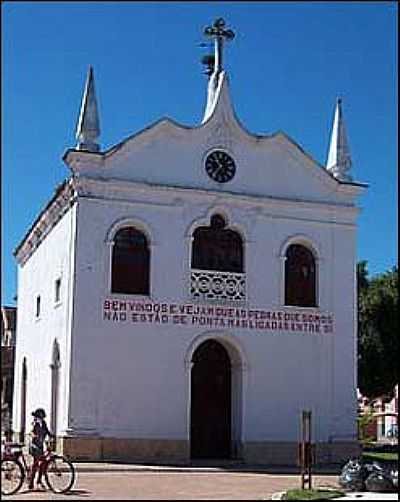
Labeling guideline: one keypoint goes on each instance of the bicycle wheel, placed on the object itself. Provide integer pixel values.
(12, 476)
(59, 474)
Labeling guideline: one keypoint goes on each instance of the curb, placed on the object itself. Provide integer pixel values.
(346, 496)
(279, 495)
(122, 468)
(239, 468)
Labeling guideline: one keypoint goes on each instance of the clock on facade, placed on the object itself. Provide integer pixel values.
(220, 166)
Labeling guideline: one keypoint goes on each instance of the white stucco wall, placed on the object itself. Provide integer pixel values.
(133, 380)
(52, 260)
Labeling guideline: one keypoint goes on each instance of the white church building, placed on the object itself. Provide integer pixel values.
(187, 293)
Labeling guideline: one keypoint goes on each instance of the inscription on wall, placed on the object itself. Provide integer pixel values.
(213, 316)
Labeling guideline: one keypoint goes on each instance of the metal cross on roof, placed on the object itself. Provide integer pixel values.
(218, 32)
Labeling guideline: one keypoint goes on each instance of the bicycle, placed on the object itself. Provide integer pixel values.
(59, 472)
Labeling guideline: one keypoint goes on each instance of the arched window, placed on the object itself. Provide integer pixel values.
(217, 248)
(130, 262)
(300, 277)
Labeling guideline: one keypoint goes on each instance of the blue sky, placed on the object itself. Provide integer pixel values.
(287, 64)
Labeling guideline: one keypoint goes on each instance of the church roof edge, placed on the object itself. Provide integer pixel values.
(58, 190)
(258, 137)
(315, 162)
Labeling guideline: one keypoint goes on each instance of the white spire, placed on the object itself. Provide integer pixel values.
(88, 129)
(217, 79)
(218, 97)
(212, 94)
(339, 160)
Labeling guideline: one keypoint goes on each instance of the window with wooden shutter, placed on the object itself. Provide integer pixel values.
(300, 277)
(217, 248)
(130, 262)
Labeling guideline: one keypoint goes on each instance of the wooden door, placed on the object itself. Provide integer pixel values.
(211, 402)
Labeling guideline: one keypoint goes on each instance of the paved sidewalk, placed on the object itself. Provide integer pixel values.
(138, 485)
(230, 481)
(369, 496)
(206, 466)
(203, 481)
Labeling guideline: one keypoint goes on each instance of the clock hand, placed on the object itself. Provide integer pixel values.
(218, 164)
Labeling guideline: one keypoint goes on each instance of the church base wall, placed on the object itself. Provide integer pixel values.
(178, 451)
(125, 449)
(337, 452)
(286, 453)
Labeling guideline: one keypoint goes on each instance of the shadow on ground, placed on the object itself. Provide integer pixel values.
(76, 493)
(204, 465)
(71, 493)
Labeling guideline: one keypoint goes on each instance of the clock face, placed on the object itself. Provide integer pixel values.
(220, 166)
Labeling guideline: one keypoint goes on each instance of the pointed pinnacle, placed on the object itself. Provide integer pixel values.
(88, 129)
(339, 160)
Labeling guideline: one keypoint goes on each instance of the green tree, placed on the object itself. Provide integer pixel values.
(364, 421)
(378, 341)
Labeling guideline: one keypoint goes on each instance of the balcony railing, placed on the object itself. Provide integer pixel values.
(214, 285)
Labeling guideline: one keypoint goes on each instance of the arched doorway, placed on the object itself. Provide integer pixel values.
(210, 426)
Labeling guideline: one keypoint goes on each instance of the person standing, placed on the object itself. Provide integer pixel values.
(39, 433)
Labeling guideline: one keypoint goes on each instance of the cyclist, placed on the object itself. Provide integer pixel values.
(36, 448)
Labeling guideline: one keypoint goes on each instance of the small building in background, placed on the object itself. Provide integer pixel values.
(386, 409)
(8, 331)
(383, 426)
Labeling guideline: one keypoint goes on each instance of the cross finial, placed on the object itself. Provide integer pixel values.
(219, 33)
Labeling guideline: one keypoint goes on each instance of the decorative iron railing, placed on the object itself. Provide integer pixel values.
(214, 285)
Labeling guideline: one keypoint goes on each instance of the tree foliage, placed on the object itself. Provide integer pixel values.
(364, 420)
(378, 339)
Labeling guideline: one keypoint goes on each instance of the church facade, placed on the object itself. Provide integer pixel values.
(187, 293)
